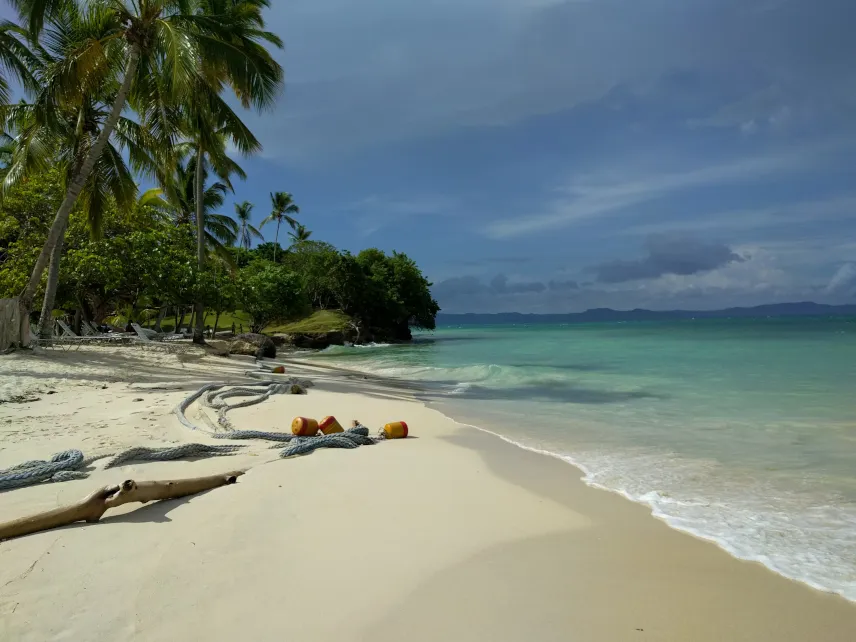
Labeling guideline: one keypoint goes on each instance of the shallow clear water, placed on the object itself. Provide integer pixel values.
(739, 431)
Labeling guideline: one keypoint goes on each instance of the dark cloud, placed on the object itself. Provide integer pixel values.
(500, 285)
(489, 260)
(470, 288)
(459, 286)
(668, 254)
(561, 286)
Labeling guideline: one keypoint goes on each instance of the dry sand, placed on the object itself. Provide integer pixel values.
(453, 535)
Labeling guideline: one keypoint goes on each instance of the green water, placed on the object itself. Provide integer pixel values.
(739, 431)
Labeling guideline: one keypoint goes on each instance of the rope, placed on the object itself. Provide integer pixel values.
(351, 438)
(68, 465)
(141, 453)
(34, 472)
(213, 396)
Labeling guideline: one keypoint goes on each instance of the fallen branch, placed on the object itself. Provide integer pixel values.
(91, 508)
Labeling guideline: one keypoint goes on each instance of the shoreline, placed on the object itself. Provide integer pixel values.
(483, 423)
(425, 539)
(585, 478)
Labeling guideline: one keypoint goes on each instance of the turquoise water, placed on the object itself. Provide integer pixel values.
(739, 431)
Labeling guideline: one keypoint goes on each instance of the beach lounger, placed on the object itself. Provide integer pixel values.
(152, 338)
(70, 337)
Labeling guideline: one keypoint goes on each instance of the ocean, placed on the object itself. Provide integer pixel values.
(742, 432)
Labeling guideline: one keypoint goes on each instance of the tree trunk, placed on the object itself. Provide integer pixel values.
(216, 321)
(192, 318)
(161, 316)
(276, 241)
(76, 186)
(180, 319)
(46, 320)
(91, 508)
(199, 329)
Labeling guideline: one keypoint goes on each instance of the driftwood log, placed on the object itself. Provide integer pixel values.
(91, 508)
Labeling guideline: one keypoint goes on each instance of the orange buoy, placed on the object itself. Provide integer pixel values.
(304, 427)
(395, 430)
(329, 425)
(279, 370)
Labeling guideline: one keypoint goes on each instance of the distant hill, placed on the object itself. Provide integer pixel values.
(807, 309)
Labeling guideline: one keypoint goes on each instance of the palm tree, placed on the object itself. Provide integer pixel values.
(283, 206)
(247, 232)
(16, 59)
(50, 132)
(299, 234)
(209, 124)
(159, 51)
(219, 230)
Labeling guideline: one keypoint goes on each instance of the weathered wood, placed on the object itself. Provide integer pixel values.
(92, 507)
(14, 327)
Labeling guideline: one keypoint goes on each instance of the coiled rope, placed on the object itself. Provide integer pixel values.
(213, 396)
(68, 464)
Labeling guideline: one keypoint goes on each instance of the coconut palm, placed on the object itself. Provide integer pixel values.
(50, 132)
(16, 59)
(246, 232)
(283, 207)
(158, 52)
(299, 234)
(219, 230)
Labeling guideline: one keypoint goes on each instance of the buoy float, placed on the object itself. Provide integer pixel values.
(279, 370)
(304, 427)
(395, 430)
(329, 425)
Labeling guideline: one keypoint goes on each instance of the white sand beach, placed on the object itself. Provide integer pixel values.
(451, 535)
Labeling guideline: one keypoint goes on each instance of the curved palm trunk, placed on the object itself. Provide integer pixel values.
(199, 329)
(276, 241)
(76, 186)
(46, 320)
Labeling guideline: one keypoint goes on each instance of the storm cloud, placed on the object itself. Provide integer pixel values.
(668, 254)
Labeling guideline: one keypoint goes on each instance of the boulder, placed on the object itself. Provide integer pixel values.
(218, 348)
(255, 345)
(280, 339)
(317, 340)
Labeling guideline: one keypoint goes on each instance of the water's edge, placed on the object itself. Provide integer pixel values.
(587, 478)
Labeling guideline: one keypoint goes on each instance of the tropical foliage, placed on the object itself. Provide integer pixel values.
(116, 93)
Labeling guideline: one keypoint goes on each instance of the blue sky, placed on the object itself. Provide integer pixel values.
(553, 156)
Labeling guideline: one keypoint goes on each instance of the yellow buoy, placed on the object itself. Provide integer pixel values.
(395, 430)
(329, 425)
(304, 427)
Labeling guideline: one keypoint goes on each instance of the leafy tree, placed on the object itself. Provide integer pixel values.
(51, 131)
(269, 252)
(159, 50)
(283, 207)
(246, 231)
(25, 216)
(269, 292)
(217, 288)
(402, 295)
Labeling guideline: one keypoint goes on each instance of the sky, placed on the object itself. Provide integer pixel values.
(555, 156)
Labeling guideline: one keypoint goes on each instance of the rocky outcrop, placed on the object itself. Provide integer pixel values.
(255, 345)
(317, 341)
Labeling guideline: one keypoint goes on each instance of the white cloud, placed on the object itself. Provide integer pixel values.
(374, 212)
(828, 209)
(844, 281)
(593, 197)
